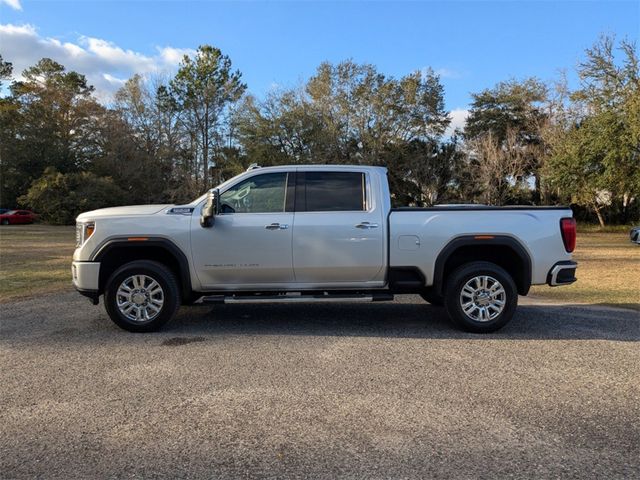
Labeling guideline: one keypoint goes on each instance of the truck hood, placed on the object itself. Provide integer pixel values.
(121, 211)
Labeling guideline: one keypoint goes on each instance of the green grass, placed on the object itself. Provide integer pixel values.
(608, 272)
(36, 259)
(595, 228)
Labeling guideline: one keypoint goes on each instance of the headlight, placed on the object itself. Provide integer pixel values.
(83, 232)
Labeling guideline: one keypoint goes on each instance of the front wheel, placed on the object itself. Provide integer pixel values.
(433, 298)
(480, 297)
(142, 296)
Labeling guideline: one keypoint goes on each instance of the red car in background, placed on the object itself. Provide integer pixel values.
(15, 217)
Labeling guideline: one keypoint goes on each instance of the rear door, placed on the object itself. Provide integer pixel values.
(338, 234)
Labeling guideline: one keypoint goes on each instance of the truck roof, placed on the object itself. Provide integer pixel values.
(327, 166)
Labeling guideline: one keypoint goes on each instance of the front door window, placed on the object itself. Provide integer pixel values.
(259, 194)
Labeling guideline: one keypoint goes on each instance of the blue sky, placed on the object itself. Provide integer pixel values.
(472, 44)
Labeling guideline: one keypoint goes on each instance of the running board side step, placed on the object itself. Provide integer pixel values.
(289, 298)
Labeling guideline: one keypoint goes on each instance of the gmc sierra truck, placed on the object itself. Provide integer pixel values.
(318, 233)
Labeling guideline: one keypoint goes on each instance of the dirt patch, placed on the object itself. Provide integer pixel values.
(178, 341)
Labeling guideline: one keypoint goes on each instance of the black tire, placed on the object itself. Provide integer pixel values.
(191, 299)
(5, 222)
(155, 271)
(431, 297)
(453, 290)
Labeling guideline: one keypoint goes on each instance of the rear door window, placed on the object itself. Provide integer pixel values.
(333, 192)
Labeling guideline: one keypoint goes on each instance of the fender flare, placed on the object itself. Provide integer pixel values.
(163, 243)
(523, 283)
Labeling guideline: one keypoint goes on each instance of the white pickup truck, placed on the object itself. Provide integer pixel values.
(318, 234)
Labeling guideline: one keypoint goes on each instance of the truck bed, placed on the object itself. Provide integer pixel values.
(419, 235)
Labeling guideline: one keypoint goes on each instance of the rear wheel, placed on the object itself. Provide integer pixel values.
(5, 222)
(480, 297)
(142, 296)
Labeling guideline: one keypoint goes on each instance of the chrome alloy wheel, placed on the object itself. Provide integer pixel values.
(482, 298)
(140, 298)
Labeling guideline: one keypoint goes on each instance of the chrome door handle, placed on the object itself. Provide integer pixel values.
(277, 226)
(366, 225)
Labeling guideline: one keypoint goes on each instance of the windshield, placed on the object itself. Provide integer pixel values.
(202, 197)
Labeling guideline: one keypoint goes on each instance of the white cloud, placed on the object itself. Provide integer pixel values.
(118, 82)
(15, 4)
(173, 56)
(105, 64)
(11, 29)
(458, 118)
(443, 72)
(448, 73)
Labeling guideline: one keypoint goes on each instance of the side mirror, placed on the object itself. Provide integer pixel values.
(207, 218)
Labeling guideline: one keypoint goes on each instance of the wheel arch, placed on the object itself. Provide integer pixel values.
(505, 251)
(116, 252)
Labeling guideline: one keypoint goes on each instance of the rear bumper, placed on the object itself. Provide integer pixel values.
(562, 273)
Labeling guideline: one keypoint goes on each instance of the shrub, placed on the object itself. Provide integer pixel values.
(59, 198)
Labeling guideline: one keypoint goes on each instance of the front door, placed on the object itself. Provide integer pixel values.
(250, 241)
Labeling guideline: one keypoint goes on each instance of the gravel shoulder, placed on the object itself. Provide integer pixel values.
(322, 391)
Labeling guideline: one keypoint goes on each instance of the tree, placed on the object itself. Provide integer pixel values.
(595, 143)
(6, 69)
(47, 124)
(351, 113)
(611, 90)
(363, 111)
(206, 88)
(141, 141)
(498, 166)
(8, 177)
(424, 173)
(143, 176)
(513, 114)
(284, 128)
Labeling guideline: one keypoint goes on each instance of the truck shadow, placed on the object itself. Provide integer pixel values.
(402, 320)
(66, 320)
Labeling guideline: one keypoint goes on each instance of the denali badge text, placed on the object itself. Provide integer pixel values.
(181, 211)
(233, 265)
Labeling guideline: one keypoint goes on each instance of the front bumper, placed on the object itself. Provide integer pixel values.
(562, 273)
(86, 278)
(85, 275)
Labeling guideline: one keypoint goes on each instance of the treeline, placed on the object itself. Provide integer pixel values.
(169, 139)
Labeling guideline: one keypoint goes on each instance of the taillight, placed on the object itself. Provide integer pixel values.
(568, 230)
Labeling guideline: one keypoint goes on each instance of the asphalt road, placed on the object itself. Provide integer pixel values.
(318, 391)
